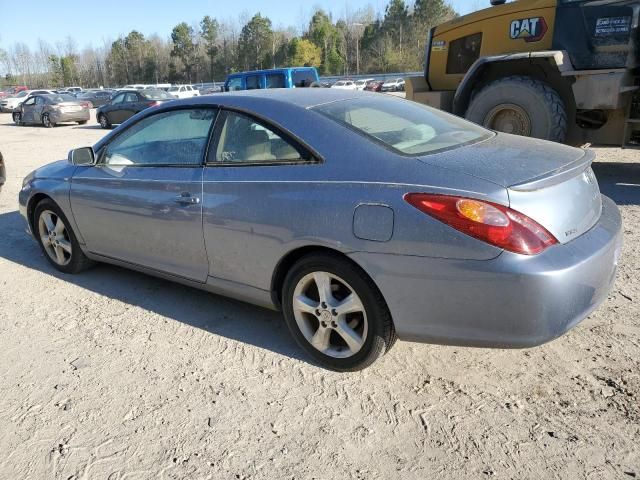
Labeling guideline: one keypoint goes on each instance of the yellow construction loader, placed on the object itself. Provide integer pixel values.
(561, 70)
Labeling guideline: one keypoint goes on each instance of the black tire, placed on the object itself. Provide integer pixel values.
(46, 121)
(103, 120)
(83, 122)
(78, 261)
(380, 330)
(17, 118)
(539, 106)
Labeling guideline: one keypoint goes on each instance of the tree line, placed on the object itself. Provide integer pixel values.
(362, 42)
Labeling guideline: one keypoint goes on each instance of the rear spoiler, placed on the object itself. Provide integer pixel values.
(557, 176)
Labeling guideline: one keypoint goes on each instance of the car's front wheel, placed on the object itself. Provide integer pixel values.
(336, 313)
(57, 240)
(17, 118)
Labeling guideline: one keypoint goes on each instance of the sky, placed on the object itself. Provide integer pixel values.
(92, 23)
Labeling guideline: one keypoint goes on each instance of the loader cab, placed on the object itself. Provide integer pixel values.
(598, 35)
(454, 46)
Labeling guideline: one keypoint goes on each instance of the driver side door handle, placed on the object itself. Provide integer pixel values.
(185, 198)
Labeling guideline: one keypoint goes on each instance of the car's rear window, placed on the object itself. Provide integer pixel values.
(53, 98)
(303, 78)
(404, 126)
(156, 95)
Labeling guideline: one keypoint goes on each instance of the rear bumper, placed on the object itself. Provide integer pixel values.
(79, 116)
(512, 301)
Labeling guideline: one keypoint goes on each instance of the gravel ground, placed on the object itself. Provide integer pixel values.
(112, 374)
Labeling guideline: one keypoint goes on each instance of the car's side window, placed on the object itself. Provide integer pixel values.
(40, 101)
(244, 140)
(235, 84)
(173, 138)
(131, 97)
(275, 80)
(30, 101)
(253, 82)
(118, 99)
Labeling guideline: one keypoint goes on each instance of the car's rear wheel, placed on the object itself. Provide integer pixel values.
(17, 118)
(46, 121)
(104, 121)
(57, 240)
(336, 313)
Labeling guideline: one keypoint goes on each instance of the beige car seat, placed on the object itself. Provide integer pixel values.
(258, 146)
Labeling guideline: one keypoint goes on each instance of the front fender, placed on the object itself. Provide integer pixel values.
(58, 190)
(463, 92)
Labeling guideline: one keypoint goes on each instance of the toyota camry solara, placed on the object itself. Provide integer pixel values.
(364, 218)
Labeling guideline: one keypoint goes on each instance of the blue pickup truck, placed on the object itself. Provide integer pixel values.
(295, 77)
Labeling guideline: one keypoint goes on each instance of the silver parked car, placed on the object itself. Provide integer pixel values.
(50, 110)
(363, 217)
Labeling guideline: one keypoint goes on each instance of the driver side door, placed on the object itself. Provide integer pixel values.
(28, 108)
(141, 202)
(114, 111)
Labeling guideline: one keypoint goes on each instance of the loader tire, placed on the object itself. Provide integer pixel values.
(522, 106)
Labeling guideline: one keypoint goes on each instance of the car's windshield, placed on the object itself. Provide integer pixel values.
(173, 89)
(339, 84)
(23, 93)
(406, 127)
(156, 95)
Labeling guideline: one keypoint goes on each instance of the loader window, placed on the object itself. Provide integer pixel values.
(463, 52)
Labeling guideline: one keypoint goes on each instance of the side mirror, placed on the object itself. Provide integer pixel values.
(82, 156)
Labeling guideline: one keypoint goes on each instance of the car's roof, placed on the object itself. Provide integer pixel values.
(269, 70)
(297, 97)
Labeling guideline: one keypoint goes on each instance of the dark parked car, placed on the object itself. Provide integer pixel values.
(375, 86)
(51, 109)
(3, 172)
(126, 103)
(96, 98)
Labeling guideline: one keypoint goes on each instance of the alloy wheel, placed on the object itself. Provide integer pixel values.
(17, 118)
(54, 237)
(46, 121)
(103, 121)
(330, 314)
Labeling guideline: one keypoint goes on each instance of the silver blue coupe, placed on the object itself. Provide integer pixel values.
(363, 217)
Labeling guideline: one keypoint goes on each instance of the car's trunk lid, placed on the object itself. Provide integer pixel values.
(551, 183)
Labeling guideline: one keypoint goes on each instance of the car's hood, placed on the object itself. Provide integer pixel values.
(510, 160)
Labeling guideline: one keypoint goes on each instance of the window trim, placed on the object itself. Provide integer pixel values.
(295, 141)
(101, 154)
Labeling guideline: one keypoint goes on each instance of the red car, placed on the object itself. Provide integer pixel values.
(375, 86)
(11, 91)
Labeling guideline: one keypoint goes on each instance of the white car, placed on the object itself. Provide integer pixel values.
(183, 91)
(9, 104)
(360, 84)
(345, 85)
(396, 85)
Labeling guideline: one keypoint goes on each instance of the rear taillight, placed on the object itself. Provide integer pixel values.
(492, 223)
(86, 104)
(153, 104)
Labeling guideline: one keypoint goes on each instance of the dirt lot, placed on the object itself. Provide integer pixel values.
(112, 374)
